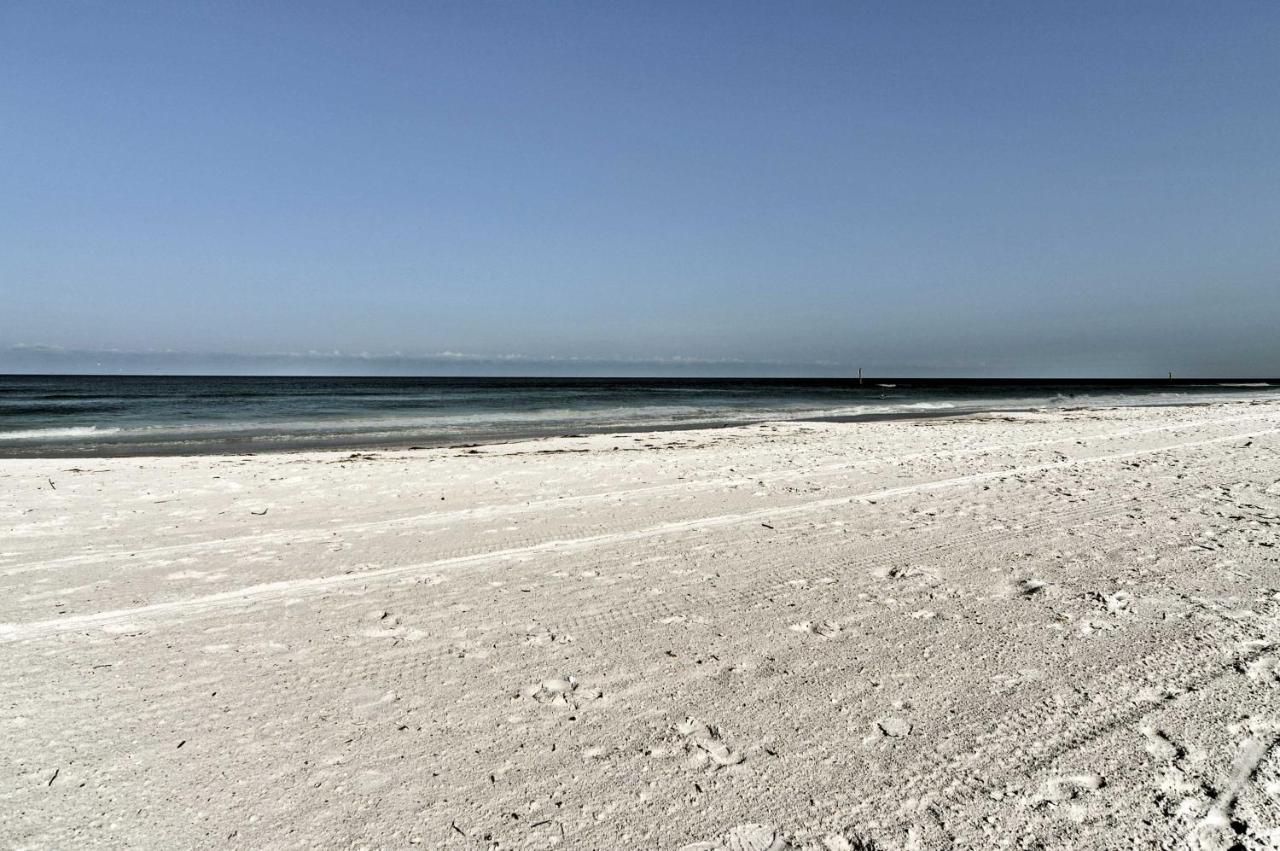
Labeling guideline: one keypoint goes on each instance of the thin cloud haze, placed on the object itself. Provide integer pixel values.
(25, 358)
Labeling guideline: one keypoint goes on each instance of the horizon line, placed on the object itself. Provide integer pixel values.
(1168, 379)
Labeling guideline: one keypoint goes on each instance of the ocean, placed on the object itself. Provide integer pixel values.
(144, 415)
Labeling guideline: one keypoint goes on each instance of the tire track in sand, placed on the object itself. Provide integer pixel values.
(326, 534)
(736, 590)
(291, 589)
(1029, 740)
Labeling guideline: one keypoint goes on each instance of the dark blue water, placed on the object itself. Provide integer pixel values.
(104, 415)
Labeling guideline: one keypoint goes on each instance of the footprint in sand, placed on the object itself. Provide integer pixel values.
(1070, 786)
(1264, 670)
(1181, 797)
(1214, 832)
(852, 842)
(124, 629)
(894, 728)
(1159, 746)
(829, 630)
(1004, 683)
(556, 690)
(1266, 667)
(1030, 587)
(1120, 601)
(542, 637)
(383, 624)
(899, 572)
(745, 837)
(706, 745)
(1089, 626)
(370, 703)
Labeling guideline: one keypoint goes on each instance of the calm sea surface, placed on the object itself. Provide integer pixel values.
(108, 415)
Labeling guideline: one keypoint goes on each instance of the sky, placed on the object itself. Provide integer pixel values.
(986, 188)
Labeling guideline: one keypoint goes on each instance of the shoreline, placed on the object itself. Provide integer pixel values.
(266, 446)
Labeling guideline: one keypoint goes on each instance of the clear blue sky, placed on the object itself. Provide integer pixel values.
(943, 188)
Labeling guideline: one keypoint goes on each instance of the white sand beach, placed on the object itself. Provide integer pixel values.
(1049, 630)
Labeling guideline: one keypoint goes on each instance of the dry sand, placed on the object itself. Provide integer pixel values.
(1039, 630)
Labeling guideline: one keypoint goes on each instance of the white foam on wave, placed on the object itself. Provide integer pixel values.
(65, 433)
(866, 409)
